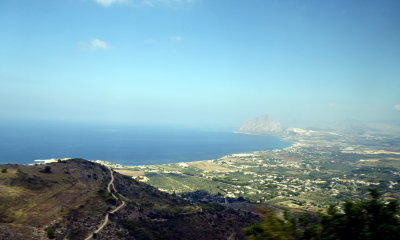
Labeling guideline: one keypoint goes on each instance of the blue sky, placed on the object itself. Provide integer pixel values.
(199, 62)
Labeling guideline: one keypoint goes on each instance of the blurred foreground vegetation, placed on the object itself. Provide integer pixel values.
(354, 220)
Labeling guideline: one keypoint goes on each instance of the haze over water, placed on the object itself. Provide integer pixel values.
(128, 145)
(191, 63)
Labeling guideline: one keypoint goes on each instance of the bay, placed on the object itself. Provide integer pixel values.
(124, 144)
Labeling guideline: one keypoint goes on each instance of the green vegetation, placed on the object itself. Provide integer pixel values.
(367, 220)
(212, 207)
(271, 228)
(4, 170)
(107, 197)
(302, 178)
(354, 220)
(230, 180)
(129, 225)
(322, 168)
(50, 233)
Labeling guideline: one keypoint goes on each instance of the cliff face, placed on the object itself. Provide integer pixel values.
(263, 125)
(71, 199)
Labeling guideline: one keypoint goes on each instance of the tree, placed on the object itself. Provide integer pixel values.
(366, 220)
(354, 220)
(271, 228)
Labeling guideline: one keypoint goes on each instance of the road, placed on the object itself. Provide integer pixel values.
(106, 218)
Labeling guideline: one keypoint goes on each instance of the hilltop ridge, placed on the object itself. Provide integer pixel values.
(70, 199)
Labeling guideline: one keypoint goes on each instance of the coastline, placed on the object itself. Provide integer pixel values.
(144, 148)
(281, 138)
(314, 171)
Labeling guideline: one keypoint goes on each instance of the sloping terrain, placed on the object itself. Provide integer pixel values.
(70, 200)
(33, 198)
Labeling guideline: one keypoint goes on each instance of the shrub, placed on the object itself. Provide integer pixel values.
(46, 169)
(212, 207)
(50, 233)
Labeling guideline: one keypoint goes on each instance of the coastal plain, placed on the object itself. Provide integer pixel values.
(320, 168)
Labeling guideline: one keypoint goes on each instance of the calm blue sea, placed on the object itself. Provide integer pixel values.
(129, 145)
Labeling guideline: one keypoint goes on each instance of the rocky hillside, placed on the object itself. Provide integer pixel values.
(70, 199)
(263, 125)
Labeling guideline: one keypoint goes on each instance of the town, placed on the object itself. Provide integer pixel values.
(318, 170)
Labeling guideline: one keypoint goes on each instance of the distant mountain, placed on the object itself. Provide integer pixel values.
(352, 126)
(71, 199)
(263, 125)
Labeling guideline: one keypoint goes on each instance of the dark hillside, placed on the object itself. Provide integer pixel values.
(152, 214)
(69, 199)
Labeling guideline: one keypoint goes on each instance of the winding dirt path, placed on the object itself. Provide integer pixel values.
(106, 218)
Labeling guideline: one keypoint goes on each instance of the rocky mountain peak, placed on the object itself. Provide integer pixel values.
(263, 125)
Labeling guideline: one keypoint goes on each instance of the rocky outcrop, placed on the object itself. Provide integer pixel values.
(263, 125)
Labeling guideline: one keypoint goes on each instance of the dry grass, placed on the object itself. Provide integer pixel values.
(130, 173)
(35, 198)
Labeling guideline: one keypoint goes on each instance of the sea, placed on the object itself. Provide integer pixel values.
(22, 143)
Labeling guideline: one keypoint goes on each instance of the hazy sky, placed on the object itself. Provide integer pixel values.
(199, 62)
